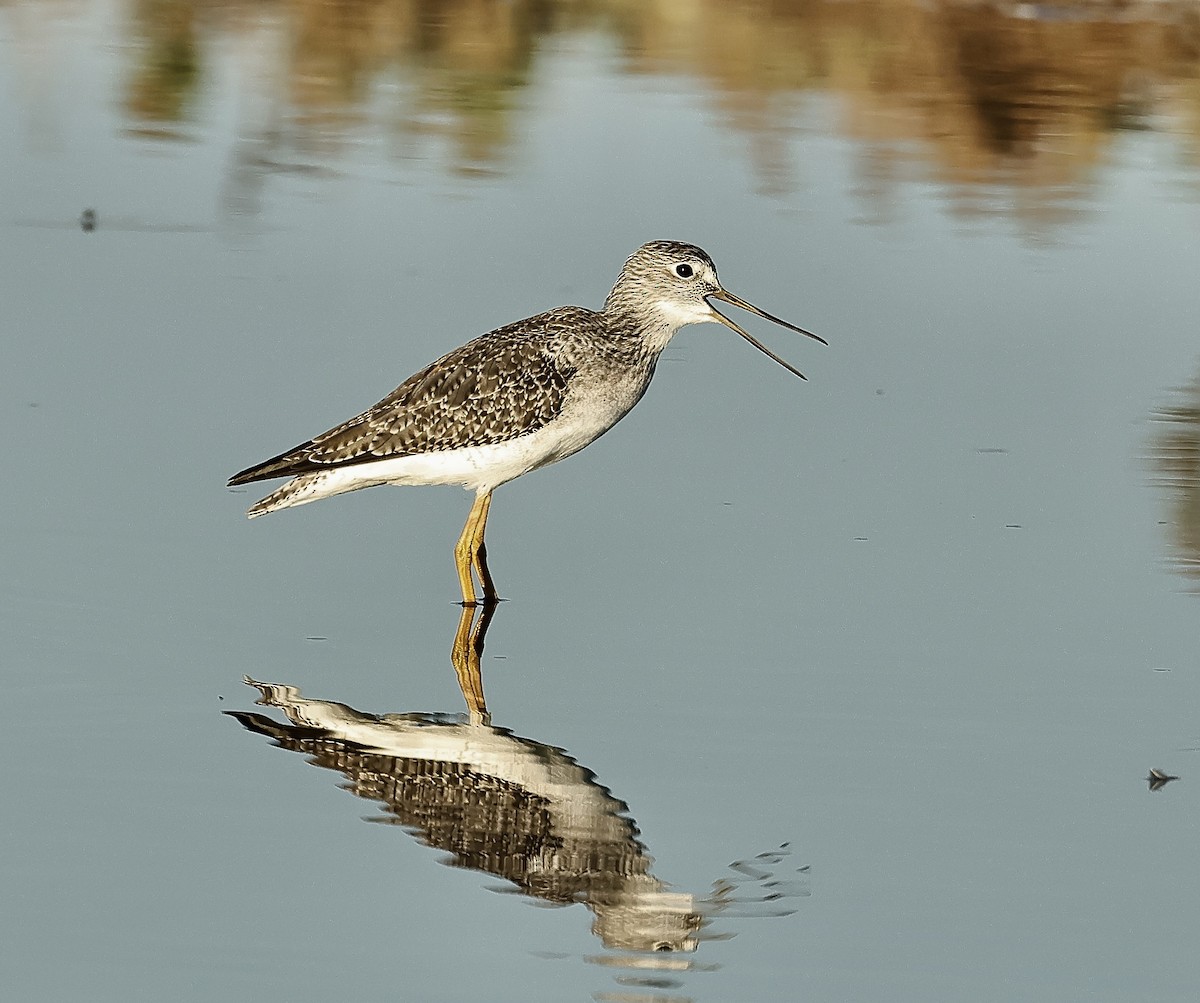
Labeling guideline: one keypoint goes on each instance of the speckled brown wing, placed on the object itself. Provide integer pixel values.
(501, 385)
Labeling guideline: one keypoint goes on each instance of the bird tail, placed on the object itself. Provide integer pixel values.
(298, 491)
(311, 487)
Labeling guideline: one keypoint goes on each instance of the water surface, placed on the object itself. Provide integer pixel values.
(915, 631)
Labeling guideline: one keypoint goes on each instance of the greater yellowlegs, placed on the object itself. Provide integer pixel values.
(515, 399)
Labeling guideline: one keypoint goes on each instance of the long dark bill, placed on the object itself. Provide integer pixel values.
(728, 297)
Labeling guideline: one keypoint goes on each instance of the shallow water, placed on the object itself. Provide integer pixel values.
(846, 689)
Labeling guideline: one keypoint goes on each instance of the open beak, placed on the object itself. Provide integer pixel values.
(737, 301)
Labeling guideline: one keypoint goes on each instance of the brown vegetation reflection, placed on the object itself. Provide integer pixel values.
(528, 813)
(166, 65)
(1007, 105)
(1176, 455)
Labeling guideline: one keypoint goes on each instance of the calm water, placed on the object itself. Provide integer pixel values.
(838, 690)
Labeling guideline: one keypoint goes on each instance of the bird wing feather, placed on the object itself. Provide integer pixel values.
(501, 385)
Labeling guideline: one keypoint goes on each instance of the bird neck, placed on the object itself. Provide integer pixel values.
(629, 319)
(646, 336)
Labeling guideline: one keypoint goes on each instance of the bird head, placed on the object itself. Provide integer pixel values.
(667, 284)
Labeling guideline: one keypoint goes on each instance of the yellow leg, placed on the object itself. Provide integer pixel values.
(463, 555)
(479, 559)
(470, 553)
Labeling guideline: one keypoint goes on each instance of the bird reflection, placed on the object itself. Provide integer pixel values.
(465, 656)
(523, 811)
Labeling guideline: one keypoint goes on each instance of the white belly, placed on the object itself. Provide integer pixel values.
(477, 468)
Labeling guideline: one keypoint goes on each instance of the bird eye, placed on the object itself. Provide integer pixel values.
(684, 271)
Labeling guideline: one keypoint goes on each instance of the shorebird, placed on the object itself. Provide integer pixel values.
(515, 399)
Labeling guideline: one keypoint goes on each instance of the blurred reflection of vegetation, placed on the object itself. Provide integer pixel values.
(1177, 456)
(460, 65)
(1023, 97)
(168, 64)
